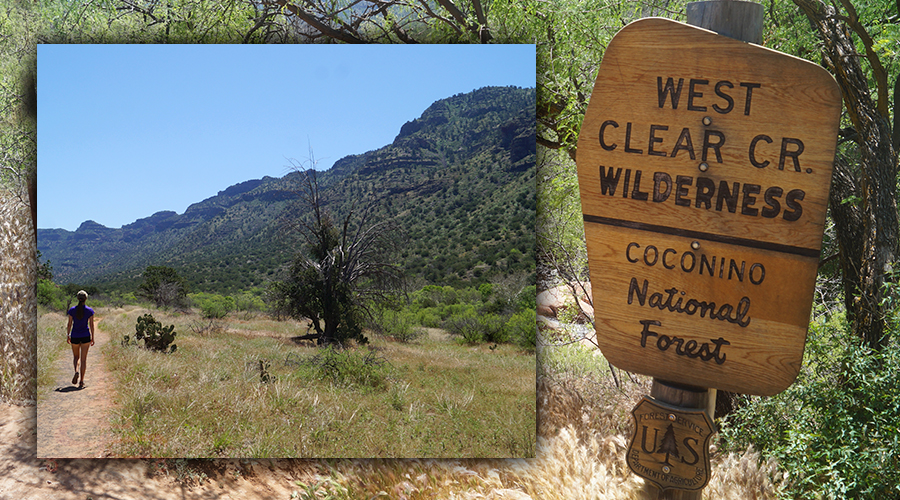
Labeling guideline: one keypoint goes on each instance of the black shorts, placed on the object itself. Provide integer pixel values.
(81, 340)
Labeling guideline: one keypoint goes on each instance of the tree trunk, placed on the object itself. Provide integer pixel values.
(849, 229)
(873, 224)
(18, 304)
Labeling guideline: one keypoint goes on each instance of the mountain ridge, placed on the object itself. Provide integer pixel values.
(461, 152)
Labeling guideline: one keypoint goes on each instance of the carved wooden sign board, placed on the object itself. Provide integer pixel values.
(704, 166)
(670, 446)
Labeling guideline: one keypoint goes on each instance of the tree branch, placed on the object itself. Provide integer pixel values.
(877, 68)
(481, 31)
(314, 22)
(875, 247)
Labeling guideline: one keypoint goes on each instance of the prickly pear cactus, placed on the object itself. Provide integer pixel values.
(154, 335)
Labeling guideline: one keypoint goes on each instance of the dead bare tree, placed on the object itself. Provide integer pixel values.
(341, 268)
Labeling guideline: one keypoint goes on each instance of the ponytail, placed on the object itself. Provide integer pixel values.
(79, 310)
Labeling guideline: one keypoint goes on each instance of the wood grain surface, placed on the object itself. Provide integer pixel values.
(704, 165)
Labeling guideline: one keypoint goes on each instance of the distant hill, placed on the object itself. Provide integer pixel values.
(459, 180)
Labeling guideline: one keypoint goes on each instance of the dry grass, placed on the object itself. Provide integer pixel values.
(51, 344)
(246, 389)
(584, 456)
(584, 425)
(583, 428)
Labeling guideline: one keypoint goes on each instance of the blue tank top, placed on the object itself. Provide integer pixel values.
(80, 326)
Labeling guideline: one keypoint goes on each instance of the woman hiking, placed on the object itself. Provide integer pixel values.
(80, 333)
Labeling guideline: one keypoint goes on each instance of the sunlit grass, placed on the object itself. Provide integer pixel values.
(51, 344)
(248, 390)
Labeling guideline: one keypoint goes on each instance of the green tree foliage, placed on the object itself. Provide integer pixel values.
(50, 295)
(521, 328)
(281, 21)
(250, 301)
(560, 231)
(858, 45)
(164, 286)
(18, 106)
(340, 269)
(171, 21)
(836, 428)
(57, 297)
(213, 306)
(72, 288)
(499, 312)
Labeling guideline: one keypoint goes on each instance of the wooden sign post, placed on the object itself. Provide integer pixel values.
(704, 166)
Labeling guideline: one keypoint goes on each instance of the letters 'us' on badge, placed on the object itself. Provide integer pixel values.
(670, 445)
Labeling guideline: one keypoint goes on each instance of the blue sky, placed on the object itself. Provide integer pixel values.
(125, 131)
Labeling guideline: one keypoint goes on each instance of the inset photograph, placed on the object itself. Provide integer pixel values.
(286, 251)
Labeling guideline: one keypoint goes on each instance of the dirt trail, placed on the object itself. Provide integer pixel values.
(72, 422)
(22, 475)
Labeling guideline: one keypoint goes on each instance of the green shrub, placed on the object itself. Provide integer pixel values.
(465, 324)
(429, 318)
(399, 325)
(155, 336)
(248, 302)
(493, 328)
(485, 289)
(476, 326)
(527, 299)
(51, 295)
(350, 367)
(428, 296)
(837, 428)
(213, 306)
(452, 310)
(522, 328)
(450, 295)
(118, 299)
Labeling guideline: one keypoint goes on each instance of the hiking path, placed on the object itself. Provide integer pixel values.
(73, 422)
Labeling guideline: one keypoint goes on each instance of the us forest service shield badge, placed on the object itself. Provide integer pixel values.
(670, 445)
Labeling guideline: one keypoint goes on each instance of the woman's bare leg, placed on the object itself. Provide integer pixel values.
(75, 356)
(84, 351)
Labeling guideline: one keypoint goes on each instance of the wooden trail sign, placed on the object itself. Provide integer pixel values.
(704, 165)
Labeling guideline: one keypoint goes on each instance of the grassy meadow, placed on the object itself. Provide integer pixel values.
(51, 345)
(582, 434)
(244, 388)
(582, 437)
